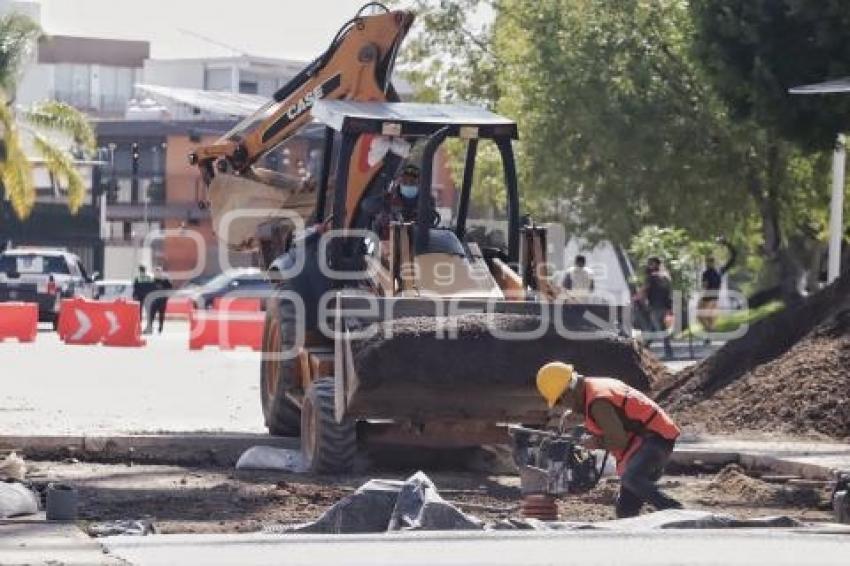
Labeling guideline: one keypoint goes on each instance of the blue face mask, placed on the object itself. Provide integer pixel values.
(409, 191)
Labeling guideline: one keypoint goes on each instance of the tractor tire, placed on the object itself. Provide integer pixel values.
(281, 414)
(328, 446)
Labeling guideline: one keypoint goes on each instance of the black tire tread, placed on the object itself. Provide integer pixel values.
(282, 416)
(337, 442)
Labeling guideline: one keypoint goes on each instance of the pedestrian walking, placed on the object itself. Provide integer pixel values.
(712, 281)
(142, 286)
(158, 303)
(657, 295)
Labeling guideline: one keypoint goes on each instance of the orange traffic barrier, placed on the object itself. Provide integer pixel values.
(66, 321)
(238, 304)
(112, 323)
(226, 330)
(123, 324)
(18, 320)
(179, 307)
(83, 322)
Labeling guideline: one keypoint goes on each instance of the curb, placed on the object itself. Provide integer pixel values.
(225, 449)
(179, 449)
(790, 464)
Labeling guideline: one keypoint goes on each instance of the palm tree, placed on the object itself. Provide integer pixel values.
(39, 127)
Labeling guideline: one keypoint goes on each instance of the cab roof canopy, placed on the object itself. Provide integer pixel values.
(402, 119)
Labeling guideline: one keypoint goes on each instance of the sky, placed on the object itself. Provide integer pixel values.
(290, 29)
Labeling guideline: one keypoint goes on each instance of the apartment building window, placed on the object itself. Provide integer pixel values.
(102, 88)
(218, 79)
(154, 188)
(248, 87)
(118, 176)
(116, 88)
(151, 157)
(256, 83)
(124, 191)
(73, 84)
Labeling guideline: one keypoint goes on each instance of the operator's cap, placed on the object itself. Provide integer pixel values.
(553, 380)
(410, 170)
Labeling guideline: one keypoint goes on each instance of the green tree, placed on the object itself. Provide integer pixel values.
(754, 51)
(40, 126)
(681, 254)
(617, 128)
(621, 127)
(617, 122)
(449, 57)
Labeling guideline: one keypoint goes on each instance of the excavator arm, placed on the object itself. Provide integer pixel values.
(357, 66)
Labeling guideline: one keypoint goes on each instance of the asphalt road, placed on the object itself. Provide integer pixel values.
(50, 388)
(649, 548)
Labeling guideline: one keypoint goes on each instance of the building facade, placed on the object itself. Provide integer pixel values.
(52, 225)
(155, 211)
(97, 76)
(148, 187)
(245, 74)
(149, 114)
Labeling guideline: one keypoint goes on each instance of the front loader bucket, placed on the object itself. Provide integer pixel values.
(423, 360)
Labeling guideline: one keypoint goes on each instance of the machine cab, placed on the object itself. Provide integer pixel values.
(416, 255)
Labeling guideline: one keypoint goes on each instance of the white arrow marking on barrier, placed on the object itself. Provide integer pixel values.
(84, 325)
(112, 318)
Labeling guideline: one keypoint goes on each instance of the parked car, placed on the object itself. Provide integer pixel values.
(247, 282)
(196, 282)
(43, 276)
(111, 289)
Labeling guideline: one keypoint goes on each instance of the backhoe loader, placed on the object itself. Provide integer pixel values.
(404, 331)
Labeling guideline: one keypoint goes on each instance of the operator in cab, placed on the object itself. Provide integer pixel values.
(404, 194)
(623, 421)
(401, 202)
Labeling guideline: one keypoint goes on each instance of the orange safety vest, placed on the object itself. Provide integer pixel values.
(639, 413)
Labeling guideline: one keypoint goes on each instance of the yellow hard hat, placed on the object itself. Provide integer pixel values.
(553, 380)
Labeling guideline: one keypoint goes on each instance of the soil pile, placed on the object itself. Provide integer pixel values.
(790, 373)
(733, 484)
(807, 390)
(488, 349)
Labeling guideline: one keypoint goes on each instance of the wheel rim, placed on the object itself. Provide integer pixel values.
(272, 362)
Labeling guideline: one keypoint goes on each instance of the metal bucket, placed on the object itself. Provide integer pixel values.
(423, 372)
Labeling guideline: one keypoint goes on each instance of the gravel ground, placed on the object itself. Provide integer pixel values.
(194, 500)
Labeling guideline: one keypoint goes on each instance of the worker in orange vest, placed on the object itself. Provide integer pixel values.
(624, 421)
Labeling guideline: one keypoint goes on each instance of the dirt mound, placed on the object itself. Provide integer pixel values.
(479, 348)
(790, 373)
(807, 390)
(733, 483)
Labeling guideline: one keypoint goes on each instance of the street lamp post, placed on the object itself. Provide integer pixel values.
(839, 157)
(836, 209)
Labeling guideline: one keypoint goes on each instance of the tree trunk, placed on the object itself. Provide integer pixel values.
(764, 186)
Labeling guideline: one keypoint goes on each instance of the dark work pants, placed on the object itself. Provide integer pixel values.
(157, 309)
(638, 482)
(656, 322)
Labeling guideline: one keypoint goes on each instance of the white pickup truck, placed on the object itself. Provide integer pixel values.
(42, 276)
